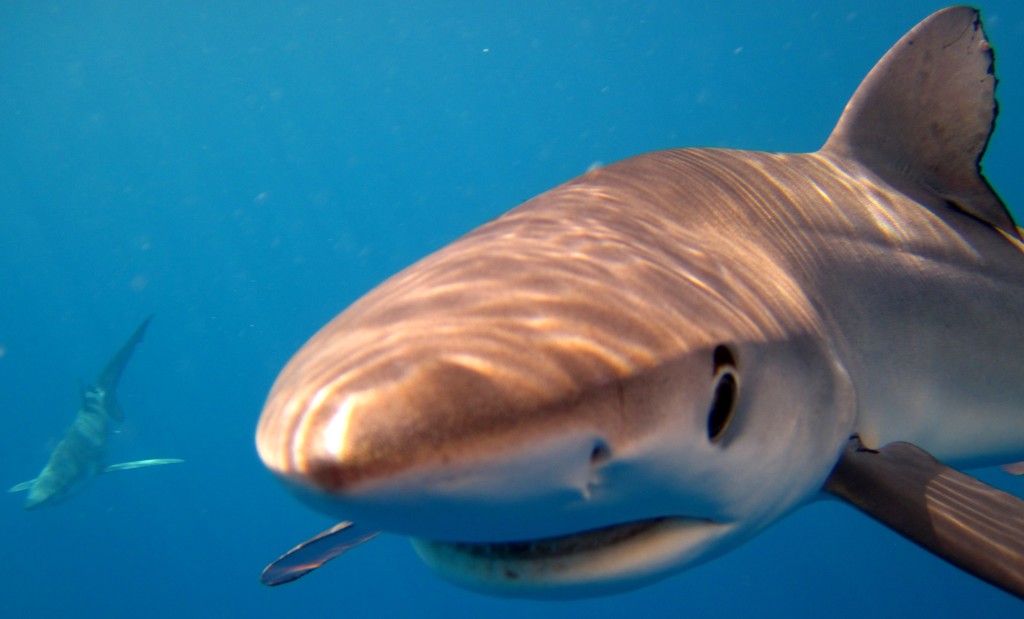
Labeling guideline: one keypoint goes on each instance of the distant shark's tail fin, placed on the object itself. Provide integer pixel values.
(107, 381)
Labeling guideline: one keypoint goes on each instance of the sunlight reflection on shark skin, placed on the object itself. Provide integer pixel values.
(510, 287)
(543, 280)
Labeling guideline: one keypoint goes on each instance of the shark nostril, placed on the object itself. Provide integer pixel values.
(600, 453)
(722, 358)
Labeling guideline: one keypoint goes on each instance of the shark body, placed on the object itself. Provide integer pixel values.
(642, 368)
(81, 454)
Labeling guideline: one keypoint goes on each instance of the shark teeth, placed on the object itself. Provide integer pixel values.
(593, 562)
(552, 547)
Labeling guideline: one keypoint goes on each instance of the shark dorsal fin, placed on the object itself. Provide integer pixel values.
(111, 374)
(922, 117)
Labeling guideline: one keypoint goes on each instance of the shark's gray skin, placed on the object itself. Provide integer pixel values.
(81, 454)
(642, 368)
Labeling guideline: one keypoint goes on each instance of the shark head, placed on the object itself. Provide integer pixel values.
(44, 492)
(551, 426)
(78, 457)
(51, 489)
(640, 369)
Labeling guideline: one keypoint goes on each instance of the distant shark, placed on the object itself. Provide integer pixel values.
(80, 455)
(643, 368)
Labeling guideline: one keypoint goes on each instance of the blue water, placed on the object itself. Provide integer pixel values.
(246, 170)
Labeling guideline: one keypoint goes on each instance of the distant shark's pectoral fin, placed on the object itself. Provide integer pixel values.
(138, 464)
(972, 525)
(314, 552)
(23, 486)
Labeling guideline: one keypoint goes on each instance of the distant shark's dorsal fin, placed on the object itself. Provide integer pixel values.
(922, 117)
(111, 375)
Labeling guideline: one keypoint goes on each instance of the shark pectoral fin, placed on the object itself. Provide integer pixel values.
(138, 464)
(969, 524)
(314, 552)
(23, 486)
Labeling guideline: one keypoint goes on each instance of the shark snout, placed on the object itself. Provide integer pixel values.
(447, 440)
(44, 492)
(33, 501)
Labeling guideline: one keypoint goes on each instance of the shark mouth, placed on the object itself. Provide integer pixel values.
(563, 566)
(553, 547)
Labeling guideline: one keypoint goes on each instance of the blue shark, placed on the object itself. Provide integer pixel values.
(643, 368)
(80, 455)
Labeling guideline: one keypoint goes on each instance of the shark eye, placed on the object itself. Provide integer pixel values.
(726, 393)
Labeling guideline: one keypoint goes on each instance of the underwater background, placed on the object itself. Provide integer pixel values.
(245, 170)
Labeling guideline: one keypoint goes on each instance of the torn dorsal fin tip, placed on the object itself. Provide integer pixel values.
(923, 116)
